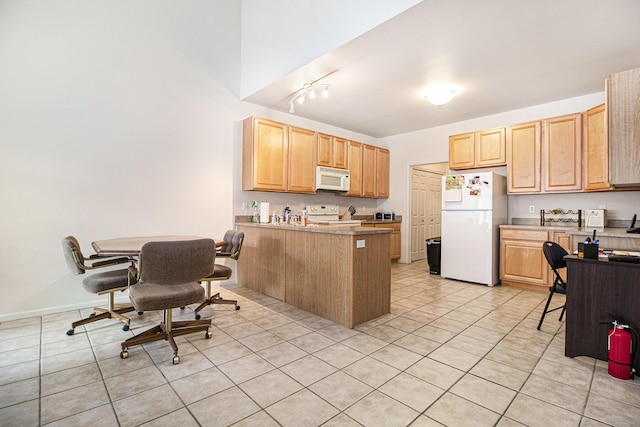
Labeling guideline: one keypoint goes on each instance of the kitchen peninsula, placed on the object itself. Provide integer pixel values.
(342, 273)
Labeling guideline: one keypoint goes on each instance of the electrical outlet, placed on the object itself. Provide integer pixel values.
(359, 243)
(532, 209)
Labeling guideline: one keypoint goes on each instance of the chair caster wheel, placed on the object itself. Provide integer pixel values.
(125, 328)
(181, 308)
(237, 307)
(176, 360)
(124, 354)
(197, 317)
(140, 313)
(92, 315)
(207, 335)
(70, 332)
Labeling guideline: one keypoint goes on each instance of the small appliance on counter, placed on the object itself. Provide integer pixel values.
(385, 216)
(595, 218)
(327, 214)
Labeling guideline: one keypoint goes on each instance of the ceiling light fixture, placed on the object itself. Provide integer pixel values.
(440, 93)
(308, 91)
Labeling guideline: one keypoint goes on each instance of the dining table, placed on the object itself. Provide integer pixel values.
(131, 246)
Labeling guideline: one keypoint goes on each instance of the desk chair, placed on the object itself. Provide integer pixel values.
(168, 274)
(554, 253)
(230, 248)
(107, 282)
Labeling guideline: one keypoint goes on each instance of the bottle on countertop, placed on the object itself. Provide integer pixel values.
(305, 217)
(287, 212)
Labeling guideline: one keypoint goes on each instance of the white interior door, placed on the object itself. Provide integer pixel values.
(426, 202)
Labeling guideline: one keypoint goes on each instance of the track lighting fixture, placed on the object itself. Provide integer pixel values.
(308, 91)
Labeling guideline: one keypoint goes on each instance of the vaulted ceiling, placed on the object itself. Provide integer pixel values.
(504, 54)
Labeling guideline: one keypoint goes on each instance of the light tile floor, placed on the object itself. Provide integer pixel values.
(450, 353)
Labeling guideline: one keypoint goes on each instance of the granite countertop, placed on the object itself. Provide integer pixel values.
(582, 231)
(351, 230)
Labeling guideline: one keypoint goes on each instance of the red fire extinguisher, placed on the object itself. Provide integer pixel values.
(621, 351)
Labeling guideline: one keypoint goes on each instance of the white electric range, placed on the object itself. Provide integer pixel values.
(328, 214)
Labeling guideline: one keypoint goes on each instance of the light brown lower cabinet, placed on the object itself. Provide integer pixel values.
(338, 274)
(395, 237)
(522, 262)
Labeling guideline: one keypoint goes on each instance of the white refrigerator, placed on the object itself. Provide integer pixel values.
(473, 206)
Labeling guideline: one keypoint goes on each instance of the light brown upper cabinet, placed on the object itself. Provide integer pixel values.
(523, 158)
(479, 149)
(354, 150)
(264, 155)
(332, 151)
(562, 153)
(382, 171)
(462, 149)
(545, 157)
(283, 158)
(491, 148)
(595, 165)
(277, 157)
(368, 170)
(369, 174)
(302, 160)
(623, 107)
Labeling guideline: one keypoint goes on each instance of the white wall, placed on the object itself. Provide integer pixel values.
(116, 121)
(280, 36)
(432, 145)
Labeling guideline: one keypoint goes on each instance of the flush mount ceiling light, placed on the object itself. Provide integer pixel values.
(440, 93)
(308, 91)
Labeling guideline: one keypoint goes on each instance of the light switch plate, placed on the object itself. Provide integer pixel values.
(359, 243)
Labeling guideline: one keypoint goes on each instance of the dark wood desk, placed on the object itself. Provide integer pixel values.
(599, 291)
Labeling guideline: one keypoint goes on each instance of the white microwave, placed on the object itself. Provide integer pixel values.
(332, 179)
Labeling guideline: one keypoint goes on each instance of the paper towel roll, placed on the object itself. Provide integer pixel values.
(264, 212)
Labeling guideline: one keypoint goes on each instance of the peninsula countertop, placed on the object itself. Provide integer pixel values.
(339, 272)
(349, 230)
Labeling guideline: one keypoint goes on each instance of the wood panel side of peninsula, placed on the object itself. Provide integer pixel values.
(323, 270)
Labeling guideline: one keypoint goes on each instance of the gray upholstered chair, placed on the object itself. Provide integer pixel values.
(229, 249)
(107, 282)
(168, 274)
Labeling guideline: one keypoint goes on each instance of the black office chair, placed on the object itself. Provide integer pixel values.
(554, 253)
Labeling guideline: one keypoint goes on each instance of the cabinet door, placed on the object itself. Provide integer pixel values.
(462, 151)
(302, 160)
(395, 240)
(368, 170)
(563, 239)
(595, 166)
(325, 150)
(382, 170)
(355, 168)
(523, 158)
(339, 153)
(491, 148)
(623, 106)
(562, 153)
(264, 155)
(522, 262)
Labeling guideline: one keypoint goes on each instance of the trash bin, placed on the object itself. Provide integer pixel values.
(433, 254)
